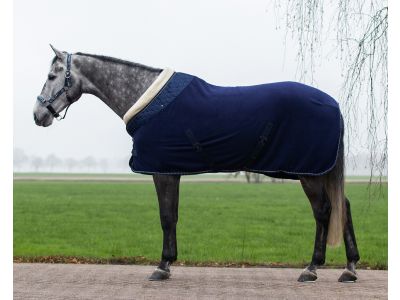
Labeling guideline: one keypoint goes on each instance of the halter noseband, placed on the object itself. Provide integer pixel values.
(64, 89)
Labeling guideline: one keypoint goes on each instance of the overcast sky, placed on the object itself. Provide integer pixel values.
(223, 42)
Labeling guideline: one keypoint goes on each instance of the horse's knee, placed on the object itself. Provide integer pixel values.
(168, 221)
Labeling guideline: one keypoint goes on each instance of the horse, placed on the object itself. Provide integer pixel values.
(138, 94)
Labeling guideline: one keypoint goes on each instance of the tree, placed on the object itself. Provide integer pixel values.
(360, 31)
(20, 159)
(103, 164)
(253, 177)
(52, 161)
(89, 162)
(123, 164)
(71, 163)
(37, 163)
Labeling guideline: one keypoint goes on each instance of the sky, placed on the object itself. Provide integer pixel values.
(224, 42)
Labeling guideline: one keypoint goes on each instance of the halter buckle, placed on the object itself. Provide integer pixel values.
(41, 99)
(67, 74)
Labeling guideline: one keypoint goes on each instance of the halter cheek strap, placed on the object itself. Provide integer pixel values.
(64, 89)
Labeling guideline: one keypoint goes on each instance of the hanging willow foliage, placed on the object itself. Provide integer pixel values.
(360, 31)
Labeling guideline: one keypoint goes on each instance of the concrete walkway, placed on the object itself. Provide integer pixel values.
(58, 281)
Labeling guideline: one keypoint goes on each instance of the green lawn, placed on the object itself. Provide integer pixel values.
(220, 222)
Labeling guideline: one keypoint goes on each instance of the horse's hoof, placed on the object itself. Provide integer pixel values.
(348, 276)
(159, 274)
(307, 276)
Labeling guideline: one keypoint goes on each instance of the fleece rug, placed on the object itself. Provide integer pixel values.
(282, 129)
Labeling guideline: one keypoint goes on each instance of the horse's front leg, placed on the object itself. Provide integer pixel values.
(167, 187)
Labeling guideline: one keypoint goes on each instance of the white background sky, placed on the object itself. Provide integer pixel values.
(224, 42)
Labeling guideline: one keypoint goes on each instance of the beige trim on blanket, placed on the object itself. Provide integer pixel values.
(149, 94)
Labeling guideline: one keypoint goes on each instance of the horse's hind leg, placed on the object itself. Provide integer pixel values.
(167, 187)
(349, 274)
(315, 191)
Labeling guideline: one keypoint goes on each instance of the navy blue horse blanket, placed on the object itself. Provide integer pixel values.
(283, 129)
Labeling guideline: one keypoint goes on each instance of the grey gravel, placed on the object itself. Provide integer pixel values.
(62, 281)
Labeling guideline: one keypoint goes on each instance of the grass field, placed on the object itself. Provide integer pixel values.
(218, 222)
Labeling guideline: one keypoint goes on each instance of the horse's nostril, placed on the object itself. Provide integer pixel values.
(34, 117)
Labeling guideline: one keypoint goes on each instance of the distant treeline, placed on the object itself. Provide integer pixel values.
(53, 163)
(355, 165)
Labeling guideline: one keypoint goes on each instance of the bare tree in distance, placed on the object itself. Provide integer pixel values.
(360, 31)
(123, 164)
(71, 163)
(52, 161)
(20, 159)
(250, 176)
(37, 163)
(89, 162)
(103, 164)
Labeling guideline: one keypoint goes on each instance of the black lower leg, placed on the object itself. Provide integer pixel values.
(313, 187)
(169, 253)
(349, 238)
(321, 214)
(351, 248)
(167, 187)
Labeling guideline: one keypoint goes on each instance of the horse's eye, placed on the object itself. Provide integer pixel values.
(51, 76)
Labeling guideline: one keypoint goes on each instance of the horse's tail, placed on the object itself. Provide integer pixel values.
(334, 187)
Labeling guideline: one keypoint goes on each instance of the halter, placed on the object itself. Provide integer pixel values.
(64, 89)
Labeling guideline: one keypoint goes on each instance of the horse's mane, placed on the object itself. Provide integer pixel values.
(119, 61)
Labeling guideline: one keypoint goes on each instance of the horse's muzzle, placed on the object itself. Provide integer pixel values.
(45, 122)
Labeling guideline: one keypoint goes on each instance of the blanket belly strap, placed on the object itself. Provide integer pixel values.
(262, 142)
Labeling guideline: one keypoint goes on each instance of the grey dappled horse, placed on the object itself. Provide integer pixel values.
(119, 84)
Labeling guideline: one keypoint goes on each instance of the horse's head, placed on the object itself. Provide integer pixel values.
(61, 89)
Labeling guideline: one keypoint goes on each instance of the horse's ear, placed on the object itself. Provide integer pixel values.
(58, 53)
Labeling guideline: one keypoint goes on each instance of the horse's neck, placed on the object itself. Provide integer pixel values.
(116, 83)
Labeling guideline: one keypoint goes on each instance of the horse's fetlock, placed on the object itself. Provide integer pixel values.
(318, 259)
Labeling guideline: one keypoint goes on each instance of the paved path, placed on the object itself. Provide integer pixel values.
(57, 281)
